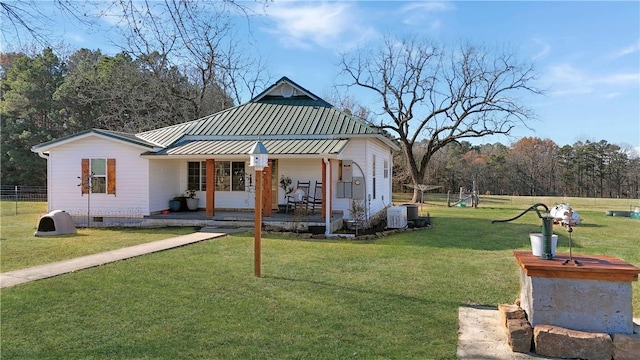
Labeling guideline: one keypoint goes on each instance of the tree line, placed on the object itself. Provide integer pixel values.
(531, 167)
(45, 97)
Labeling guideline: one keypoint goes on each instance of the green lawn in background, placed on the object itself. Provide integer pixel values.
(392, 298)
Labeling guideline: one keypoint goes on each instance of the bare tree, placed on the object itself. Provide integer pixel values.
(533, 163)
(195, 36)
(427, 92)
(199, 37)
(27, 20)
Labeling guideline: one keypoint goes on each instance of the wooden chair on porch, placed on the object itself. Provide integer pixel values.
(297, 199)
(315, 202)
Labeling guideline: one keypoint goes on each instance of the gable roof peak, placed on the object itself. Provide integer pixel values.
(285, 88)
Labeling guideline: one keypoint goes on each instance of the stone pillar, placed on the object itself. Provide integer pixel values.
(585, 305)
(593, 294)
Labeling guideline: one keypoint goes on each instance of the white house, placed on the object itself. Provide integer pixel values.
(308, 139)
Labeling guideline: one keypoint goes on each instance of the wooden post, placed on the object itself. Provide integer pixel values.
(266, 192)
(258, 225)
(324, 194)
(211, 189)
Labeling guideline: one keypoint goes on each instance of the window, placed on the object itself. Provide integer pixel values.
(230, 176)
(99, 179)
(197, 175)
(223, 172)
(237, 180)
(385, 166)
(373, 168)
(98, 176)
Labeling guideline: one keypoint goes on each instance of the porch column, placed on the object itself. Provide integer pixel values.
(326, 202)
(330, 185)
(211, 189)
(266, 191)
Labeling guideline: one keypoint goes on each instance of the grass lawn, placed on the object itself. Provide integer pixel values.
(391, 298)
(20, 249)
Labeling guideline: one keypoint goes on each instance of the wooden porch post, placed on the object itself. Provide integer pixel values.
(266, 191)
(330, 185)
(325, 202)
(211, 189)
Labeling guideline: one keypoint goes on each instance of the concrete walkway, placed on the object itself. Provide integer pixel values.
(480, 336)
(16, 277)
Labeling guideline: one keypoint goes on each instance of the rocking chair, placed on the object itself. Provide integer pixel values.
(296, 200)
(315, 202)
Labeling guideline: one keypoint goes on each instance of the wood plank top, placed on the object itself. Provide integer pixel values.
(591, 267)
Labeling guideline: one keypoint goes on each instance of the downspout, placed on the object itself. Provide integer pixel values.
(46, 157)
(364, 176)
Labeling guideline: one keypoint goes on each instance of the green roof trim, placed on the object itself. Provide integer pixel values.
(242, 147)
(118, 135)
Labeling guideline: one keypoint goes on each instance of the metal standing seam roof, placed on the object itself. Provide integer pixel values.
(301, 124)
(268, 117)
(242, 147)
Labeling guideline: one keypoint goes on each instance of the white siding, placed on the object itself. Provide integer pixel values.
(164, 182)
(64, 171)
(383, 186)
(299, 170)
(146, 185)
(361, 152)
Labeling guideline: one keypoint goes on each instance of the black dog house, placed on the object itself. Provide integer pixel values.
(56, 222)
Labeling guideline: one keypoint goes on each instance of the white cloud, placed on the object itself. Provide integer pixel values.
(545, 49)
(423, 13)
(323, 24)
(75, 38)
(620, 79)
(565, 79)
(431, 6)
(112, 15)
(633, 48)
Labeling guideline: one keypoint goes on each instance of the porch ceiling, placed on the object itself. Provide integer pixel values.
(242, 147)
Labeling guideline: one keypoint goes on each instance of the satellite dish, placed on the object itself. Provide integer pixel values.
(286, 90)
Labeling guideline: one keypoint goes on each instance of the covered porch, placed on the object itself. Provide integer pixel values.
(286, 221)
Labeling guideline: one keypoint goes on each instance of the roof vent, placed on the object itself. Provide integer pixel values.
(286, 90)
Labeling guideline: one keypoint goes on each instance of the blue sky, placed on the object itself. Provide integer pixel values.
(587, 54)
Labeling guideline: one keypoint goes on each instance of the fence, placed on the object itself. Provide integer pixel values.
(23, 193)
(83, 217)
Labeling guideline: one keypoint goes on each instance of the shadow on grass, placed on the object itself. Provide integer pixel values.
(588, 226)
(369, 291)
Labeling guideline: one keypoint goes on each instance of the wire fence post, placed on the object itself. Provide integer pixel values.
(15, 192)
